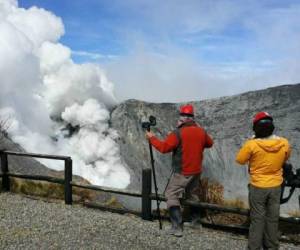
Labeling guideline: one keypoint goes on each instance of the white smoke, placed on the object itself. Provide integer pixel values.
(40, 81)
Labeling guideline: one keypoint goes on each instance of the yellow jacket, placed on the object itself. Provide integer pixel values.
(265, 158)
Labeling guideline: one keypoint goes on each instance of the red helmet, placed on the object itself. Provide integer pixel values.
(187, 110)
(262, 115)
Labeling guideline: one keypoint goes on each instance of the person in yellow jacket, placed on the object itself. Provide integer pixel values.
(265, 155)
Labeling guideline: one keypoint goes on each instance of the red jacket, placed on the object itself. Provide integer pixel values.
(187, 149)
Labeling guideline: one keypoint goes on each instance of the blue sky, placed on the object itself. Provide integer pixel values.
(253, 43)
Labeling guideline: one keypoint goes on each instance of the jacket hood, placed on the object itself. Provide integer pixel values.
(270, 144)
(185, 121)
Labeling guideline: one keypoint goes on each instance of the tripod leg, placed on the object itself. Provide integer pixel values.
(155, 185)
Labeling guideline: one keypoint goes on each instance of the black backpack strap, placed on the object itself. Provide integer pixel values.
(178, 135)
(177, 153)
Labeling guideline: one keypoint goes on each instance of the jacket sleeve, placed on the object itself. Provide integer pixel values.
(165, 146)
(244, 154)
(208, 141)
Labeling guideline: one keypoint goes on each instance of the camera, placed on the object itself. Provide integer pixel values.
(151, 122)
(291, 179)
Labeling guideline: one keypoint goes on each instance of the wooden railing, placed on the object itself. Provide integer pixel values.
(66, 181)
(146, 194)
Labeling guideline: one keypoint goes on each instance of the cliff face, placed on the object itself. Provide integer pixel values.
(226, 119)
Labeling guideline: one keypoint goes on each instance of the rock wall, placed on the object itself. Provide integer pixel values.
(227, 120)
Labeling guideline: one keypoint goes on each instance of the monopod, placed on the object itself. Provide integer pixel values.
(147, 125)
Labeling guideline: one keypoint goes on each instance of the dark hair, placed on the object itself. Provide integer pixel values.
(263, 128)
(186, 115)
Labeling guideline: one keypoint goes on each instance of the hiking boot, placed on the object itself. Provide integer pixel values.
(195, 218)
(178, 232)
(170, 230)
(176, 220)
(194, 223)
(174, 231)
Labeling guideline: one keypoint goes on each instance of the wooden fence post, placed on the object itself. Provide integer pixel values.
(4, 168)
(68, 180)
(146, 192)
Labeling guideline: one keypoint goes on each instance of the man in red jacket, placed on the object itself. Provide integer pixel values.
(187, 143)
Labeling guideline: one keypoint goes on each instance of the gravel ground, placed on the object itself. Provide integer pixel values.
(27, 223)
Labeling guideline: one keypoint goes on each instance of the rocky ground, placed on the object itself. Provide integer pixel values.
(27, 223)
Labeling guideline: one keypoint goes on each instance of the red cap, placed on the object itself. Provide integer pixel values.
(262, 115)
(187, 110)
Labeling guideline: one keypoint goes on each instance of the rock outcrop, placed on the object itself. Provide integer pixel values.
(22, 165)
(226, 119)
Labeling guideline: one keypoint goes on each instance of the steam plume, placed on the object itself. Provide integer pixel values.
(54, 105)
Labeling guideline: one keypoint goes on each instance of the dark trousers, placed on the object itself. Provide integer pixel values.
(264, 216)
